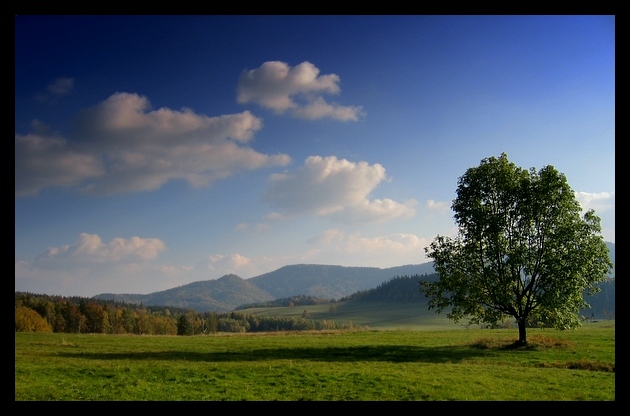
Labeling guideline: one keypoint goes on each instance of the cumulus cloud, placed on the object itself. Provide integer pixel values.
(601, 201)
(91, 279)
(217, 265)
(122, 145)
(90, 249)
(336, 188)
(299, 89)
(46, 161)
(232, 262)
(91, 266)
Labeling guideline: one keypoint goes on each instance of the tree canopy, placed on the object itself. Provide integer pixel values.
(524, 249)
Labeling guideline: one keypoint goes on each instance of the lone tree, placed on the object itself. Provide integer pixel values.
(523, 250)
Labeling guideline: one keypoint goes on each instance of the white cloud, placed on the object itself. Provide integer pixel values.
(355, 242)
(279, 87)
(394, 250)
(91, 266)
(440, 207)
(601, 201)
(121, 145)
(47, 161)
(92, 279)
(218, 265)
(336, 188)
(318, 108)
(90, 249)
(232, 262)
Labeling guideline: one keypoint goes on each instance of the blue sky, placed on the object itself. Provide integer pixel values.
(154, 151)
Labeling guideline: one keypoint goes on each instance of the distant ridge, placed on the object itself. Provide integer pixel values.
(228, 292)
(321, 281)
(325, 281)
(208, 295)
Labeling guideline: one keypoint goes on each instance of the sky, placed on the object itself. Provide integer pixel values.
(156, 151)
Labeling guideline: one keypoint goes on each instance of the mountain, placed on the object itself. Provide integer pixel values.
(219, 295)
(331, 282)
(320, 281)
(230, 291)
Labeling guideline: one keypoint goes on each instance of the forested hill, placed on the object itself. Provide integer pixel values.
(222, 294)
(332, 282)
(399, 288)
(405, 288)
(231, 291)
(311, 280)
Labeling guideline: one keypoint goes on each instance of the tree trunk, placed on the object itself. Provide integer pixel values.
(522, 332)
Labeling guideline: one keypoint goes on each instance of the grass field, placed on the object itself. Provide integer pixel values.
(374, 315)
(429, 364)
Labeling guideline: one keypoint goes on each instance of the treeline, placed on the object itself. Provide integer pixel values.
(44, 313)
(212, 322)
(301, 300)
(398, 288)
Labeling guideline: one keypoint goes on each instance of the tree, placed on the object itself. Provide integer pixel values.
(184, 326)
(74, 320)
(97, 321)
(523, 250)
(212, 323)
(28, 320)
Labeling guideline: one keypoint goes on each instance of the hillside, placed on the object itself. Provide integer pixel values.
(320, 281)
(332, 282)
(231, 291)
(220, 295)
(602, 303)
(397, 304)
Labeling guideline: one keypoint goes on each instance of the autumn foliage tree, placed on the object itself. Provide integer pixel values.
(524, 249)
(28, 320)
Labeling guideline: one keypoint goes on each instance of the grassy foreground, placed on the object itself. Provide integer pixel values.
(471, 364)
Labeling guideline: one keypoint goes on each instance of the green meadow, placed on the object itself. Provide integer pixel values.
(429, 364)
(373, 315)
